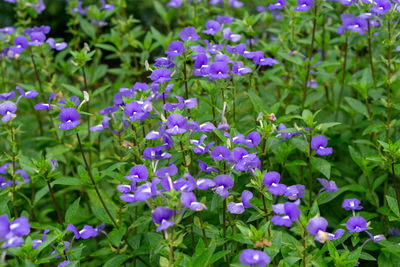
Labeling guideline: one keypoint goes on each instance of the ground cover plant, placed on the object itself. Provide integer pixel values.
(199, 133)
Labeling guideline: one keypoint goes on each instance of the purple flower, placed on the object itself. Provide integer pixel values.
(37, 38)
(304, 5)
(290, 211)
(11, 232)
(317, 224)
(329, 186)
(212, 27)
(381, 7)
(189, 200)
(223, 182)
(161, 216)
(7, 96)
(138, 173)
(106, 6)
(176, 124)
(356, 224)
(238, 208)
(200, 148)
(204, 167)
(271, 181)
(70, 118)
(155, 153)
(21, 43)
(174, 3)
(47, 106)
(225, 19)
(56, 46)
(189, 34)
(134, 111)
(175, 48)
(7, 110)
(337, 235)
(294, 192)
(100, 127)
(278, 5)
(29, 94)
(219, 70)
(352, 204)
(220, 152)
(228, 35)
(37, 242)
(161, 75)
(319, 143)
(86, 232)
(254, 258)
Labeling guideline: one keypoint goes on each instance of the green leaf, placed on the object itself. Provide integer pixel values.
(322, 166)
(116, 235)
(256, 101)
(392, 202)
(71, 211)
(116, 260)
(87, 28)
(357, 106)
(73, 89)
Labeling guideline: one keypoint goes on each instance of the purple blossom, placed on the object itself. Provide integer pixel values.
(175, 48)
(7, 110)
(225, 19)
(47, 106)
(220, 152)
(7, 96)
(294, 192)
(100, 127)
(174, 3)
(29, 94)
(134, 111)
(254, 258)
(271, 181)
(317, 224)
(189, 34)
(204, 167)
(37, 242)
(381, 7)
(278, 5)
(352, 204)
(304, 5)
(155, 153)
(176, 124)
(219, 70)
(319, 143)
(56, 46)
(11, 232)
(212, 27)
(356, 224)
(223, 182)
(37, 38)
(138, 173)
(161, 216)
(70, 118)
(161, 75)
(189, 200)
(21, 43)
(329, 186)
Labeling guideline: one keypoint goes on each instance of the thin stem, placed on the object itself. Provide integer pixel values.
(310, 55)
(183, 155)
(60, 220)
(343, 78)
(14, 194)
(310, 181)
(32, 199)
(185, 77)
(88, 111)
(266, 213)
(94, 183)
(371, 62)
(371, 192)
(304, 248)
(395, 185)
(203, 230)
(192, 233)
(37, 77)
(388, 91)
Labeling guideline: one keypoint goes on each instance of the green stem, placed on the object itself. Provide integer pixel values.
(308, 66)
(60, 220)
(343, 78)
(203, 230)
(88, 111)
(371, 62)
(94, 183)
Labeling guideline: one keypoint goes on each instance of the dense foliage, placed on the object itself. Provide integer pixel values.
(199, 133)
